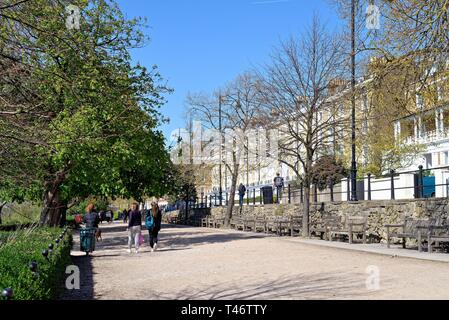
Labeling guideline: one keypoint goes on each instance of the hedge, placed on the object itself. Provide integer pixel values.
(27, 246)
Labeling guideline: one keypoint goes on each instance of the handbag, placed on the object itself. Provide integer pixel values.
(141, 239)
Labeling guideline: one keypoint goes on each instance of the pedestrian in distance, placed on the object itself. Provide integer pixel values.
(242, 191)
(88, 235)
(153, 223)
(125, 216)
(134, 227)
(279, 185)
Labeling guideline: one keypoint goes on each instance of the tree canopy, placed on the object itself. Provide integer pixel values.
(77, 118)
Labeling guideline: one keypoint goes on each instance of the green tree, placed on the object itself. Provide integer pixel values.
(90, 128)
(327, 169)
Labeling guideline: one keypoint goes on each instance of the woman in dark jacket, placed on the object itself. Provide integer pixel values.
(134, 227)
(157, 218)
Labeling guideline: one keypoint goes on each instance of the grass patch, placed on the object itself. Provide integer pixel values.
(17, 214)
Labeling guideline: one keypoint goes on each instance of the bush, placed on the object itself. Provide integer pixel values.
(25, 246)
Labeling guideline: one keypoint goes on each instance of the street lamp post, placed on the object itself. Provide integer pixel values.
(220, 190)
(353, 83)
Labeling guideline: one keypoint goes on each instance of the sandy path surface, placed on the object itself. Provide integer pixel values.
(197, 263)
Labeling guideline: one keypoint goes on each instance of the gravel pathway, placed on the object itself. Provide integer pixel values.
(197, 263)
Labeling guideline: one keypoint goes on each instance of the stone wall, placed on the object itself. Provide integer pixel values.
(379, 212)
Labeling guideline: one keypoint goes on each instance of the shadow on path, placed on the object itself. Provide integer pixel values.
(302, 286)
(173, 237)
(182, 239)
(85, 265)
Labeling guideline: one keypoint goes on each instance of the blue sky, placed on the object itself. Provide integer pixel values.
(200, 45)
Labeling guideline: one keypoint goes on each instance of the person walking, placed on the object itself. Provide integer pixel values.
(153, 222)
(134, 227)
(279, 185)
(242, 191)
(125, 215)
(91, 218)
(91, 221)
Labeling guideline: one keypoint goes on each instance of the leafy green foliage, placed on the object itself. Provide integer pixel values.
(16, 255)
(96, 134)
(184, 187)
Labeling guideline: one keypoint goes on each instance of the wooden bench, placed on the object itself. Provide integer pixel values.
(295, 226)
(270, 224)
(219, 222)
(260, 224)
(318, 229)
(317, 224)
(437, 234)
(249, 223)
(211, 222)
(233, 221)
(239, 223)
(410, 229)
(432, 233)
(205, 222)
(349, 226)
(278, 225)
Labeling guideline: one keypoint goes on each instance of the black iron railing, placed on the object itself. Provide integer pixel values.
(367, 191)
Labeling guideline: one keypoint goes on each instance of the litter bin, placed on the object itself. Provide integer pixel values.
(87, 240)
(267, 194)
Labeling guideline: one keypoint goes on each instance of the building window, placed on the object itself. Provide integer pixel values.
(428, 160)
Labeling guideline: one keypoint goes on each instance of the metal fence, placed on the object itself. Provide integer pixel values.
(416, 184)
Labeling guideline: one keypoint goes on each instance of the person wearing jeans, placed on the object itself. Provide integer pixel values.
(154, 232)
(134, 227)
(279, 185)
(242, 191)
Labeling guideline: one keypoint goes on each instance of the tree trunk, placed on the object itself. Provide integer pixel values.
(63, 215)
(306, 211)
(230, 207)
(306, 204)
(54, 209)
(1, 209)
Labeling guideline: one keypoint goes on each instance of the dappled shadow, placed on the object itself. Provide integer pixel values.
(175, 236)
(187, 239)
(175, 240)
(300, 286)
(117, 242)
(114, 228)
(105, 229)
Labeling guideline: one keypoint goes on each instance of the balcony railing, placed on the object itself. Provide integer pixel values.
(428, 137)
